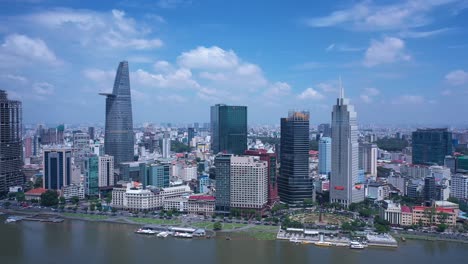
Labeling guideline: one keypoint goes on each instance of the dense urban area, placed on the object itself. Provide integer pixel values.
(328, 184)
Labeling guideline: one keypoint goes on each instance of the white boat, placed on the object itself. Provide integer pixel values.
(145, 231)
(11, 219)
(323, 244)
(356, 245)
(163, 234)
(183, 235)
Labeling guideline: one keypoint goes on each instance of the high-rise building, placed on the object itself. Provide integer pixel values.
(430, 146)
(80, 141)
(222, 165)
(429, 188)
(166, 145)
(228, 129)
(57, 168)
(190, 135)
(324, 155)
(345, 155)
(119, 138)
(11, 148)
(106, 171)
(325, 130)
(28, 147)
(294, 183)
(158, 175)
(91, 133)
(271, 159)
(459, 186)
(249, 184)
(91, 172)
(368, 158)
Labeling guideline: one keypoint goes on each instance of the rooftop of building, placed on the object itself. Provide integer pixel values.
(202, 197)
(405, 209)
(37, 191)
(445, 204)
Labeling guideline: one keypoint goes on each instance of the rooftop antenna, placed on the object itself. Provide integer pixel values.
(341, 90)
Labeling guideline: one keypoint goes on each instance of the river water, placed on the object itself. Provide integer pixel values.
(91, 242)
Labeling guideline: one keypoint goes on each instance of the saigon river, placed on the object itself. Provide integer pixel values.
(76, 241)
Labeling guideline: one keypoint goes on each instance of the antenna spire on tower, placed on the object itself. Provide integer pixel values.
(341, 90)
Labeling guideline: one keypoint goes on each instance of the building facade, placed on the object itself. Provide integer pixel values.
(368, 158)
(324, 155)
(459, 186)
(57, 168)
(106, 171)
(222, 165)
(430, 146)
(159, 175)
(11, 146)
(91, 173)
(119, 138)
(294, 183)
(228, 129)
(249, 183)
(345, 151)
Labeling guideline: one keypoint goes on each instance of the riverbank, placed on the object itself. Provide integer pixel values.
(429, 238)
(245, 231)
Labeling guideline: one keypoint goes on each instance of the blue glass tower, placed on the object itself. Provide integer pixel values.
(325, 155)
(119, 139)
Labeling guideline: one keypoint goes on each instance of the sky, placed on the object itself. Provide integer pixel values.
(400, 62)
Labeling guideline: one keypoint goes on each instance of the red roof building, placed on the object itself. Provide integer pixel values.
(34, 193)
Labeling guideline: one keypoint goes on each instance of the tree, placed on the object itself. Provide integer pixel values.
(20, 197)
(108, 198)
(75, 200)
(441, 228)
(308, 202)
(7, 204)
(62, 200)
(113, 210)
(38, 183)
(217, 226)
(49, 198)
(92, 207)
(391, 144)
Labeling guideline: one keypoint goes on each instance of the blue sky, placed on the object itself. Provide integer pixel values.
(401, 62)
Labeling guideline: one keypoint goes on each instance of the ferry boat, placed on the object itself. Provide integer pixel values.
(11, 219)
(163, 234)
(145, 231)
(183, 235)
(356, 245)
(322, 244)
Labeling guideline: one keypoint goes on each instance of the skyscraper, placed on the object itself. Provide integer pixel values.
(294, 183)
(57, 168)
(345, 152)
(91, 168)
(119, 138)
(11, 148)
(271, 159)
(229, 129)
(325, 155)
(222, 164)
(166, 145)
(430, 146)
(368, 158)
(91, 132)
(106, 171)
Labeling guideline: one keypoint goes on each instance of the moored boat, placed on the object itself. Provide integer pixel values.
(356, 245)
(145, 231)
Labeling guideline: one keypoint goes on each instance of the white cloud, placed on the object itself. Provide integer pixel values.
(370, 16)
(424, 34)
(409, 99)
(173, 98)
(310, 93)
(108, 29)
(208, 58)
(173, 3)
(457, 77)
(17, 78)
(367, 96)
(179, 79)
(388, 50)
(329, 87)
(277, 91)
(330, 47)
(22, 49)
(43, 88)
(342, 48)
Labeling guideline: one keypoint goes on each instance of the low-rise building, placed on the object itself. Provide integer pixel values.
(406, 216)
(378, 191)
(391, 212)
(179, 204)
(73, 190)
(201, 204)
(34, 194)
(433, 215)
(134, 197)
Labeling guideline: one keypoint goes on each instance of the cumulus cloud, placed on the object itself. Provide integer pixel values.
(13, 77)
(19, 48)
(387, 50)
(368, 94)
(370, 16)
(208, 58)
(310, 94)
(457, 77)
(179, 78)
(112, 29)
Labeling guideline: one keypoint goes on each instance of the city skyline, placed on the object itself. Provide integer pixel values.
(185, 61)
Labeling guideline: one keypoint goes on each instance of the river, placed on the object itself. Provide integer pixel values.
(75, 241)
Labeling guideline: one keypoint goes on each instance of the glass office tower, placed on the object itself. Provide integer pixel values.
(229, 129)
(430, 146)
(119, 138)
